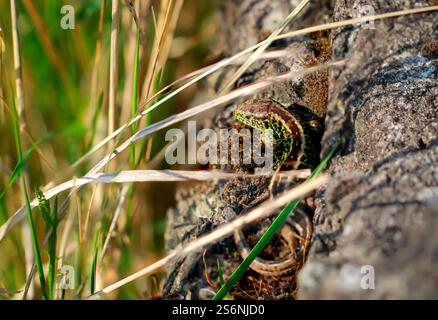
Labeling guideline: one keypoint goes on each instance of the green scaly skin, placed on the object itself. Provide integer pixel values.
(296, 130)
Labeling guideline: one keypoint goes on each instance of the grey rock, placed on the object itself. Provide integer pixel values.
(382, 209)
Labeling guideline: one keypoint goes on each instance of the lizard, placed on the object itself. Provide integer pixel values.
(296, 132)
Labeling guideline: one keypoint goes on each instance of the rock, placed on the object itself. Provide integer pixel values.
(381, 211)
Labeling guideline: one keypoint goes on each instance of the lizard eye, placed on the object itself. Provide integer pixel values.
(314, 124)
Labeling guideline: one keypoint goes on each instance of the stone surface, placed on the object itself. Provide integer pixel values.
(382, 209)
(386, 219)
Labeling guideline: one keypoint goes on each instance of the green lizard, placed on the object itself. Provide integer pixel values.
(296, 130)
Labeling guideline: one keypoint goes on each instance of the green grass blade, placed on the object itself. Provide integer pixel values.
(21, 164)
(148, 118)
(267, 236)
(261, 244)
(94, 121)
(52, 250)
(134, 97)
(93, 271)
(3, 211)
(33, 232)
(220, 273)
(36, 248)
(98, 242)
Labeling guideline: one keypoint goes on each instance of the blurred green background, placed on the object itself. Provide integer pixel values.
(66, 81)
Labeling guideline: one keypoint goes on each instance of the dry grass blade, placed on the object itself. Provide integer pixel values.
(195, 77)
(233, 95)
(349, 22)
(134, 176)
(165, 28)
(262, 211)
(120, 205)
(240, 59)
(90, 205)
(131, 8)
(221, 64)
(236, 94)
(19, 86)
(264, 46)
(115, 11)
